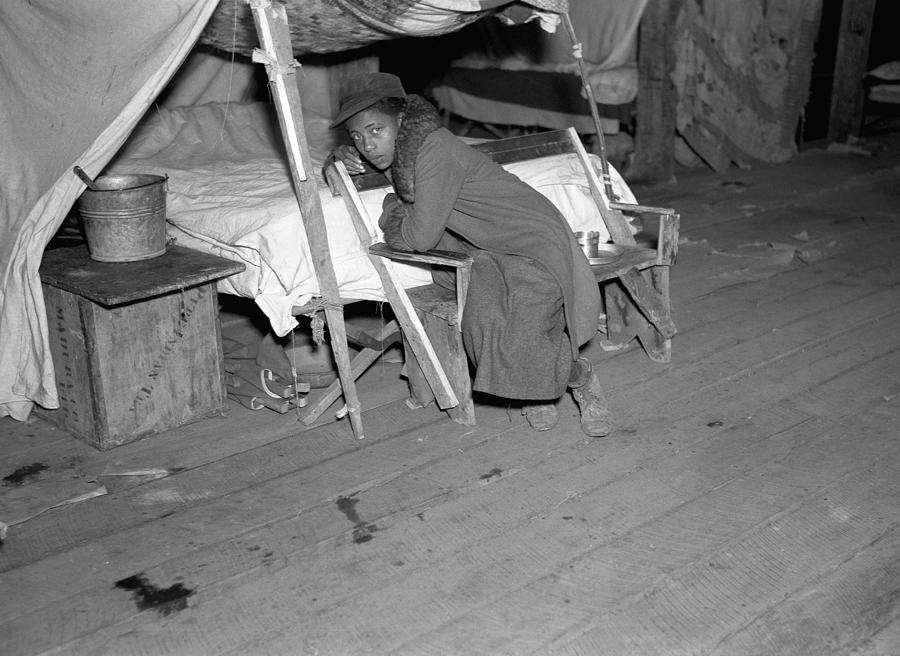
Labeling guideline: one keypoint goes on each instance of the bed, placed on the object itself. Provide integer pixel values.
(529, 77)
(230, 194)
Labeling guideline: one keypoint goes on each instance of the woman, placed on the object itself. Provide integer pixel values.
(533, 300)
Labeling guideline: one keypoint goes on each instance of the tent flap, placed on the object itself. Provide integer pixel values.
(76, 79)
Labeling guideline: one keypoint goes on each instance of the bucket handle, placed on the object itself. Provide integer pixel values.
(86, 179)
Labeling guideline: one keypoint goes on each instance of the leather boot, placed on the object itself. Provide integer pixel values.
(541, 417)
(595, 416)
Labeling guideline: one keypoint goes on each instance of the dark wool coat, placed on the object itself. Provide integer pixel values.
(533, 299)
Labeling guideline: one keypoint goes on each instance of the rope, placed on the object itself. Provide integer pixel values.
(234, 25)
(316, 322)
(294, 376)
(273, 66)
(589, 92)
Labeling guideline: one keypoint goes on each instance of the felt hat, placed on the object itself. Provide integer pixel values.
(362, 91)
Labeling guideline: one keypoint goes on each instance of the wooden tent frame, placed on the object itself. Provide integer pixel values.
(277, 55)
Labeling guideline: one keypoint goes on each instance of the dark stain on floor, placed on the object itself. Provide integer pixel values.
(24, 473)
(148, 596)
(362, 532)
(494, 473)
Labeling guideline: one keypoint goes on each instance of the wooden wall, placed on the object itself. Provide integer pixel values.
(848, 93)
(742, 77)
(725, 82)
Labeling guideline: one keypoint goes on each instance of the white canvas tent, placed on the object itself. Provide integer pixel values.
(75, 79)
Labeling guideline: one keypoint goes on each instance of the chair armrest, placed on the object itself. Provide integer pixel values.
(459, 261)
(434, 256)
(667, 241)
(647, 209)
(669, 222)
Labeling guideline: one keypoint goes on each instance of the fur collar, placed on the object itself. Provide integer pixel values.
(420, 119)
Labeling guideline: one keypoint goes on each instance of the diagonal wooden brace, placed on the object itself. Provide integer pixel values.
(274, 36)
(649, 301)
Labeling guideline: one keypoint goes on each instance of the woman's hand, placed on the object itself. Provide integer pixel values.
(351, 159)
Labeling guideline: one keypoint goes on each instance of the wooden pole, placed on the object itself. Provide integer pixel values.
(595, 115)
(654, 139)
(847, 91)
(274, 36)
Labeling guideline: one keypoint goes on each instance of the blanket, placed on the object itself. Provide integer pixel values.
(322, 26)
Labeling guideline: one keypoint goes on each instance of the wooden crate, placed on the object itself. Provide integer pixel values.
(136, 346)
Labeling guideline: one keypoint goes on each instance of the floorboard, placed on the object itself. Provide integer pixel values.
(486, 570)
(859, 591)
(746, 503)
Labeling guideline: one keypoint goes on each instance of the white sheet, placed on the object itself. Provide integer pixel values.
(230, 194)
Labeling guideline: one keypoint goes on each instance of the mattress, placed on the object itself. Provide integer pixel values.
(230, 194)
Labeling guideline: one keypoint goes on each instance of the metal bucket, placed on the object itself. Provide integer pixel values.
(124, 217)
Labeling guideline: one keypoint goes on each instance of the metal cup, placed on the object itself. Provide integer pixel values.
(589, 242)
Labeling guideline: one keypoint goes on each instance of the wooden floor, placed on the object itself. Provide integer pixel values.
(748, 501)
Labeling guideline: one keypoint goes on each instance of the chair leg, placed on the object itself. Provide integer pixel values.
(625, 319)
(644, 291)
(447, 343)
(657, 345)
(621, 317)
(420, 395)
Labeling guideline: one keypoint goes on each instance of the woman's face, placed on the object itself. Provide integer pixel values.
(374, 133)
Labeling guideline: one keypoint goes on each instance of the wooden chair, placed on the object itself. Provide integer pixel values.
(441, 313)
(428, 363)
(635, 285)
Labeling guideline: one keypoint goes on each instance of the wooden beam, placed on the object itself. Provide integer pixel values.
(615, 221)
(654, 141)
(847, 92)
(363, 360)
(274, 35)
